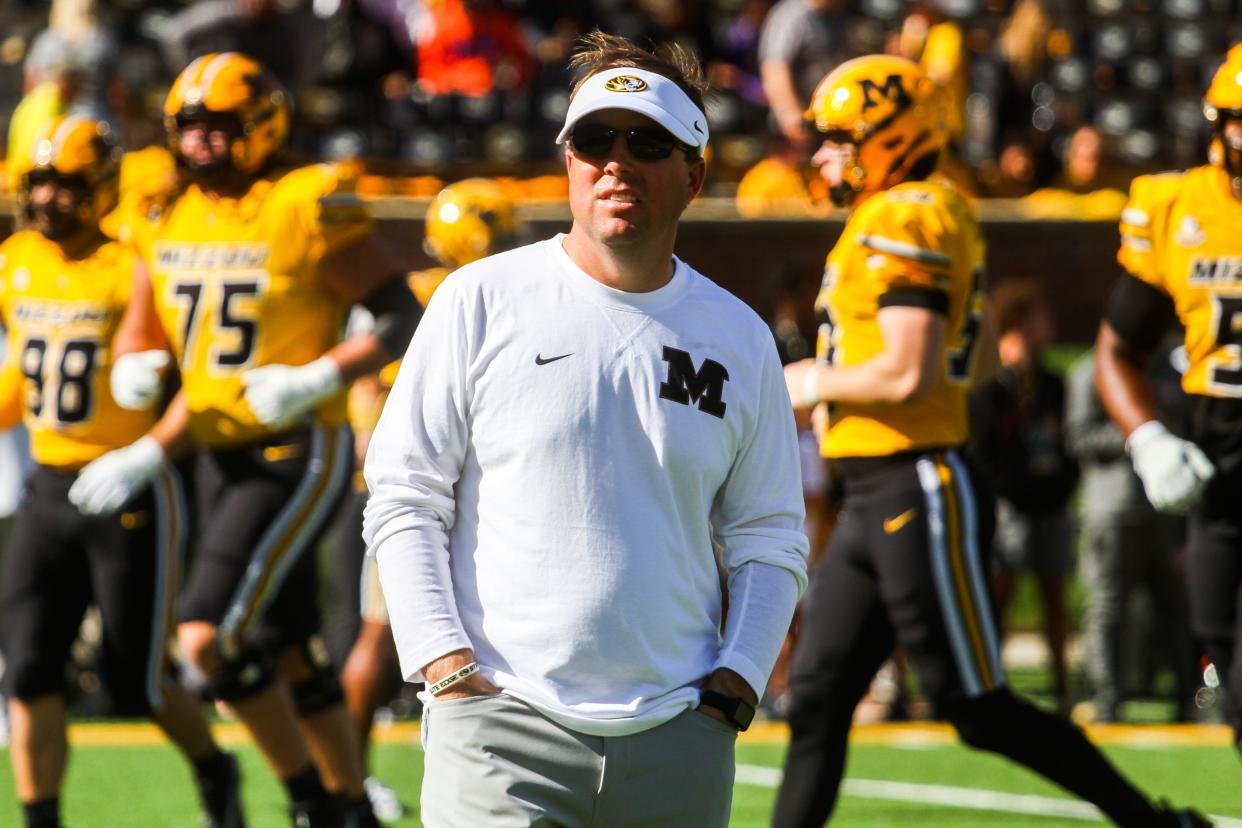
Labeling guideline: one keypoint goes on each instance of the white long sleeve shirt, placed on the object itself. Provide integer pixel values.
(549, 472)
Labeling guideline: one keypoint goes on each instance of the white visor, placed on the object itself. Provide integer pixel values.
(646, 93)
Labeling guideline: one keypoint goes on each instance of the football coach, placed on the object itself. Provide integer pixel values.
(586, 436)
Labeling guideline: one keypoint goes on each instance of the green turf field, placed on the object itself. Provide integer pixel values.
(889, 785)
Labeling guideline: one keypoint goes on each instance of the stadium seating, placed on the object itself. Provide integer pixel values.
(1135, 68)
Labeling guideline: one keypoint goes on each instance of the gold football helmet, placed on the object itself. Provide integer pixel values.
(469, 220)
(1224, 100)
(230, 83)
(79, 153)
(889, 111)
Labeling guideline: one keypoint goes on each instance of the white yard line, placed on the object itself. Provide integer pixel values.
(977, 799)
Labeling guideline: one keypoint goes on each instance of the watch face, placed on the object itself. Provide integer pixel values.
(743, 715)
(739, 712)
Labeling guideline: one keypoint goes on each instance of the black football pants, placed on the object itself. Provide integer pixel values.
(906, 566)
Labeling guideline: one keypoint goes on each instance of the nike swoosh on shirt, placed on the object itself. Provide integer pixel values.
(539, 360)
(894, 524)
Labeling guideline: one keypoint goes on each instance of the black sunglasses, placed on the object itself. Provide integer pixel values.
(645, 143)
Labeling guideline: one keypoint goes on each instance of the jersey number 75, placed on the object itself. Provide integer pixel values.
(230, 307)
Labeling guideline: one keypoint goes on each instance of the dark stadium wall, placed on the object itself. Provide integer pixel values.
(1075, 260)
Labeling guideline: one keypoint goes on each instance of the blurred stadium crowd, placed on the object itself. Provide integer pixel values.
(1076, 94)
(1041, 97)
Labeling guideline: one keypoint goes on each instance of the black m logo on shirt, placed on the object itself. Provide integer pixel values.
(684, 384)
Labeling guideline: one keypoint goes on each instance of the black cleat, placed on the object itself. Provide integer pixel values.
(317, 813)
(43, 814)
(1182, 818)
(359, 814)
(221, 795)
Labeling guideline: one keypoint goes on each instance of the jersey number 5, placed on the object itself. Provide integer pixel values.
(968, 335)
(232, 318)
(70, 383)
(1225, 375)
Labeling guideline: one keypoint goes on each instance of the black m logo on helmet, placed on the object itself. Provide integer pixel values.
(891, 90)
(684, 384)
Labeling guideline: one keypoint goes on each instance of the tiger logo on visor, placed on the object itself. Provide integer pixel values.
(625, 83)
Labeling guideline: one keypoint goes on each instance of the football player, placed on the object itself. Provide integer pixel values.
(900, 316)
(1181, 246)
(63, 289)
(251, 266)
(465, 222)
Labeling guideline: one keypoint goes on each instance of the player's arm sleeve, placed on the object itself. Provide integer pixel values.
(326, 211)
(907, 257)
(1139, 312)
(758, 520)
(1142, 221)
(1140, 308)
(413, 462)
(395, 313)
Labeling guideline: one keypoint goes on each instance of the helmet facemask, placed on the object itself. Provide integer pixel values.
(208, 163)
(879, 160)
(1226, 148)
(56, 206)
(838, 161)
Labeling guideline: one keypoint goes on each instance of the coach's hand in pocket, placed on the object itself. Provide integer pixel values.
(731, 684)
(449, 664)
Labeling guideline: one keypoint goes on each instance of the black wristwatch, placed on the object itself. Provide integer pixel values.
(738, 712)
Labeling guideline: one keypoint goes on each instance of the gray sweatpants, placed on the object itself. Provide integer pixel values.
(495, 762)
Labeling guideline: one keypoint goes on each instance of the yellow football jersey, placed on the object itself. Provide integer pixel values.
(915, 244)
(1182, 233)
(423, 283)
(236, 286)
(61, 315)
(366, 400)
(145, 175)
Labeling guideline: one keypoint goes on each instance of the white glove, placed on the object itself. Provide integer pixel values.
(136, 379)
(279, 395)
(106, 483)
(1174, 471)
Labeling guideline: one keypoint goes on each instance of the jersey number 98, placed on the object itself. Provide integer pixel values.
(68, 386)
